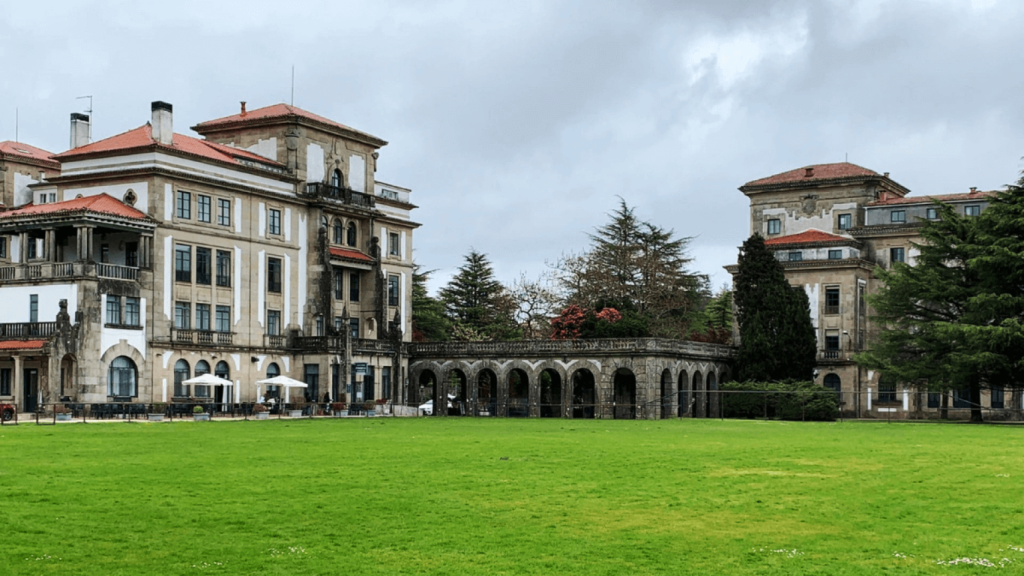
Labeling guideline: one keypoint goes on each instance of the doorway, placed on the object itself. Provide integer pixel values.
(31, 388)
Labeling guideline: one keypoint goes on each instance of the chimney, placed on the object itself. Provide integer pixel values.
(974, 189)
(243, 108)
(163, 122)
(809, 172)
(81, 130)
(886, 175)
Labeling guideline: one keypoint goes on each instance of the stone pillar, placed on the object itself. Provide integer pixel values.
(49, 245)
(441, 401)
(533, 395)
(145, 252)
(80, 243)
(23, 244)
(19, 383)
(89, 242)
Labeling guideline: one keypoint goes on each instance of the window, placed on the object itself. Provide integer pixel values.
(385, 382)
(774, 226)
(203, 265)
(113, 309)
(274, 322)
(351, 236)
(353, 287)
(273, 370)
(353, 327)
(835, 254)
(845, 221)
(896, 255)
(203, 208)
(202, 367)
(368, 387)
(184, 205)
(899, 216)
(224, 212)
(223, 319)
(997, 397)
(336, 179)
(33, 308)
(121, 377)
(392, 290)
(181, 373)
(132, 311)
(932, 214)
(183, 263)
(223, 268)
(182, 315)
(274, 275)
(5, 381)
(30, 248)
(339, 324)
(973, 210)
(832, 300)
(796, 256)
(275, 221)
(104, 253)
(934, 398)
(222, 370)
(311, 375)
(886, 390)
(203, 317)
(394, 245)
(962, 398)
(339, 232)
(131, 254)
(833, 382)
(339, 284)
(3, 246)
(319, 325)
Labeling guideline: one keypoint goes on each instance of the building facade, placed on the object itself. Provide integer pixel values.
(830, 226)
(266, 247)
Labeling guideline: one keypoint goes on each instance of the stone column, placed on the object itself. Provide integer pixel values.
(23, 246)
(145, 251)
(80, 243)
(48, 245)
(19, 383)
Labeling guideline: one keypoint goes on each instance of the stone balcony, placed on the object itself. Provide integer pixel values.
(321, 191)
(48, 271)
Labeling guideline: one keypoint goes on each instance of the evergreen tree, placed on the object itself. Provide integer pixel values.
(428, 320)
(777, 339)
(477, 303)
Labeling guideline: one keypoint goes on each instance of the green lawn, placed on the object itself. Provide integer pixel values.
(488, 496)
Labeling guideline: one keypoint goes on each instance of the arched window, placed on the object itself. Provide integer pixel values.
(336, 179)
(202, 367)
(339, 233)
(122, 378)
(832, 381)
(351, 234)
(181, 373)
(222, 371)
(272, 371)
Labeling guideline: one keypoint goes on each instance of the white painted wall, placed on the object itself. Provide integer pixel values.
(168, 203)
(111, 336)
(287, 225)
(238, 215)
(816, 253)
(16, 249)
(287, 281)
(812, 295)
(237, 286)
(357, 173)
(22, 192)
(303, 254)
(265, 148)
(261, 292)
(314, 163)
(168, 275)
(118, 191)
(263, 220)
(16, 302)
(795, 221)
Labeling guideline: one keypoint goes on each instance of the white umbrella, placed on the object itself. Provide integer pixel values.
(283, 381)
(209, 380)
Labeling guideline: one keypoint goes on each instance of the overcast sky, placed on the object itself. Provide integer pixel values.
(516, 124)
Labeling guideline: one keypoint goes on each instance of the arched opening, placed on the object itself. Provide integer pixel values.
(336, 178)
(518, 394)
(201, 391)
(697, 392)
(550, 394)
(624, 395)
(338, 232)
(584, 394)
(273, 370)
(683, 408)
(122, 378)
(486, 393)
(713, 402)
(457, 387)
(428, 390)
(67, 376)
(666, 394)
(181, 373)
(350, 238)
(833, 382)
(222, 393)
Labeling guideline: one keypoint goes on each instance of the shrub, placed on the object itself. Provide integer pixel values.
(61, 409)
(337, 406)
(198, 410)
(159, 408)
(786, 400)
(259, 408)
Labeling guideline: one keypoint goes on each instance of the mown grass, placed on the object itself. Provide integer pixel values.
(486, 496)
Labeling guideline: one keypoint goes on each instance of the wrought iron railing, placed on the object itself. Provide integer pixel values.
(22, 330)
(350, 197)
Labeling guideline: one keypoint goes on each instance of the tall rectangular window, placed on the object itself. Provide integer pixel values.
(897, 255)
(899, 216)
(353, 326)
(886, 391)
(224, 212)
(183, 263)
(368, 384)
(33, 308)
(974, 210)
(203, 317)
(311, 375)
(5, 381)
(184, 205)
(131, 254)
(832, 300)
(962, 398)
(774, 226)
(934, 399)
(353, 287)
(182, 315)
(845, 221)
(832, 341)
(30, 248)
(274, 322)
(3, 246)
(132, 311)
(385, 382)
(392, 290)
(275, 221)
(223, 319)
(203, 208)
(394, 245)
(998, 399)
(319, 325)
(113, 309)
(203, 265)
(223, 268)
(273, 274)
(339, 325)
(104, 253)
(339, 284)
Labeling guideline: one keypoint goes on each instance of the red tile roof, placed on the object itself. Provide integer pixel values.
(9, 148)
(142, 137)
(272, 112)
(100, 204)
(350, 254)
(979, 195)
(808, 237)
(22, 344)
(817, 172)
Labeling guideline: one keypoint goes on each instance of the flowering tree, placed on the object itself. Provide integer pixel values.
(568, 324)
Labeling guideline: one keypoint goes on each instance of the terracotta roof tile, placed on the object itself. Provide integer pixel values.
(816, 172)
(808, 237)
(980, 195)
(100, 204)
(273, 111)
(142, 137)
(350, 254)
(9, 148)
(22, 344)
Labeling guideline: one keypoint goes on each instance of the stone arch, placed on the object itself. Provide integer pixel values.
(144, 380)
(697, 390)
(582, 388)
(550, 383)
(68, 368)
(517, 386)
(666, 393)
(485, 382)
(624, 394)
(351, 234)
(713, 400)
(684, 396)
(457, 384)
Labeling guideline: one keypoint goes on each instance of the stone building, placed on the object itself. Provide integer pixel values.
(831, 225)
(266, 247)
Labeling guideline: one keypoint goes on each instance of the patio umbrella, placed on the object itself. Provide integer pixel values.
(283, 381)
(209, 380)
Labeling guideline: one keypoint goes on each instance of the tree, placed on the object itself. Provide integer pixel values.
(777, 339)
(477, 303)
(536, 302)
(428, 319)
(953, 320)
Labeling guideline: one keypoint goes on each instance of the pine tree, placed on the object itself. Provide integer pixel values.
(777, 339)
(477, 303)
(428, 320)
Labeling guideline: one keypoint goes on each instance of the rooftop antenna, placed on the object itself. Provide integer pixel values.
(89, 111)
(293, 84)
